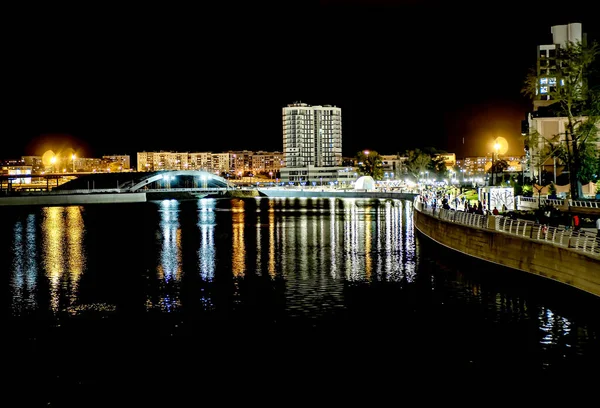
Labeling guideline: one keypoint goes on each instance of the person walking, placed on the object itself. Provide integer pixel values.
(576, 225)
(598, 226)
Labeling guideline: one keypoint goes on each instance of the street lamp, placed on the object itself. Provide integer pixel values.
(52, 161)
(73, 160)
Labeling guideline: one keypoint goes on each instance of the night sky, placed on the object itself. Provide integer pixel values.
(405, 73)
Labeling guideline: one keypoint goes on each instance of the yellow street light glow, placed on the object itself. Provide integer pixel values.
(500, 146)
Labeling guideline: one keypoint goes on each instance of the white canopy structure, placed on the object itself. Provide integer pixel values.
(364, 183)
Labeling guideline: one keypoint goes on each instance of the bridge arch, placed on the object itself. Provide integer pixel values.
(212, 180)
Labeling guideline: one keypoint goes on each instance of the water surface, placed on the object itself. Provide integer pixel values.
(285, 291)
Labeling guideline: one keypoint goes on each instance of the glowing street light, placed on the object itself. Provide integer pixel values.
(73, 160)
(52, 161)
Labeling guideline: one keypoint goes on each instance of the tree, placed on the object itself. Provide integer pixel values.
(417, 163)
(574, 101)
(549, 149)
(369, 164)
(438, 166)
(497, 169)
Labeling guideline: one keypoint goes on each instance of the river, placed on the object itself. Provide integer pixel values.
(166, 293)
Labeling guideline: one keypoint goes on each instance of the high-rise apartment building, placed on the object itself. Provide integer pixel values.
(546, 67)
(312, 135)
(543, 120)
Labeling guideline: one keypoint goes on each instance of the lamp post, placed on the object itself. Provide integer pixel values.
(52, 161)
(73, 161)
(494, 155)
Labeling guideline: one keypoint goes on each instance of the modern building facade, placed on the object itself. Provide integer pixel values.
(319, 176)
(312, 135)
(230, 164)
(546, 66)
(312, 143)
(548, 127)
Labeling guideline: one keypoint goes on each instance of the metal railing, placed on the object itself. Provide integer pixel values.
(585, 204)
(582, 241)
(560, 202)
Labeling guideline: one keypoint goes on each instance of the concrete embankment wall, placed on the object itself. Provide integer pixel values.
(543, 259)
(73, 199)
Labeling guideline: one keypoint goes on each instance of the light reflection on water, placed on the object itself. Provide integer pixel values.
(230, 255)
(169, 269)
(63, 258)
(238, 262)
(207, 251)
(23, 282)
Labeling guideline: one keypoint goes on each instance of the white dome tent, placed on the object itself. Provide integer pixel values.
(364, 183)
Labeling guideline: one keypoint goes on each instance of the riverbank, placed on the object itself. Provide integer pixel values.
(548, 252)
(72, 199)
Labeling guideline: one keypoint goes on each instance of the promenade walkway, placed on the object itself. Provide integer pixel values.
(557, 253)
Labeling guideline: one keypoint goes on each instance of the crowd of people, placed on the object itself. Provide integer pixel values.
(548, 215)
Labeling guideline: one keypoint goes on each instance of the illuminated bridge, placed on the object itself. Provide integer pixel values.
(156, 181)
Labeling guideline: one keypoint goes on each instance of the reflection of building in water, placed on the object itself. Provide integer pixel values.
(75, 229)
(206, 253)
(374, 241)
(333, 234)
(410, 247)
(238, 259)
(367, 241)
(351, 235)
(63, 229)
(265, 242)
(271, 240)
(24, 277)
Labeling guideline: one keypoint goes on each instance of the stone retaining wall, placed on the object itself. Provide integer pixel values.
(550, 261)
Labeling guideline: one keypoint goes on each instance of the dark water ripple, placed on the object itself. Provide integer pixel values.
(305, 289)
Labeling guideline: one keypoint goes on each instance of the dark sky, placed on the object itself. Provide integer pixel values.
(118, 80)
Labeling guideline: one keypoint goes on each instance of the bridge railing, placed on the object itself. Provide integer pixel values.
(582, 241)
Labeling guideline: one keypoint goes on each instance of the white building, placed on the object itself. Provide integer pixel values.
(394, 166)
(312, 142)
(562, 35)
(122, 160)
(550, 128)
(312, 135)
(319, 176)
(154, 161)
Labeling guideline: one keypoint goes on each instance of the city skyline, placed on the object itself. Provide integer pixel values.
(404, 75)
